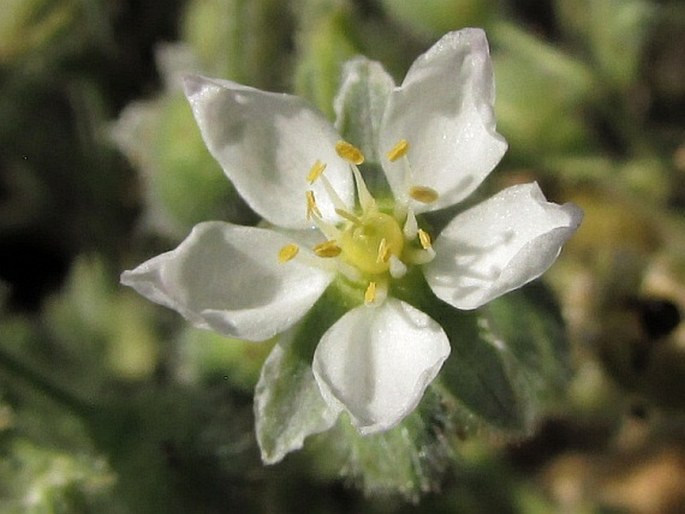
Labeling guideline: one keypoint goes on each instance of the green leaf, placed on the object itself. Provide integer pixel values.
(38, 479)
(435, 17)
(508, 359)
(475, 372)
(537, 86)
(183, 165)
(360, 104)
(527, 323)
(240, 40)
(614, 31)
(324, 44)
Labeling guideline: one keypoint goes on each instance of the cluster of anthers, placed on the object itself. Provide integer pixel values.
(369, 246)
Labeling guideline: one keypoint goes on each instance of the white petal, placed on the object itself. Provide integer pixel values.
(499, 245)
(228, 278)
(378, 361)
(444, 108)
(267, 143)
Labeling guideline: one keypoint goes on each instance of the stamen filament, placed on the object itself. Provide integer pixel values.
(288, 253)
(411, 226)
(327, 229)
(397, 268)
(332, 195)
(349, 271)
(367, 202)
(416, 256)
(343, 213)
(349, 152)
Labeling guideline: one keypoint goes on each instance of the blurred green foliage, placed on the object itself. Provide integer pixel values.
(110, 404)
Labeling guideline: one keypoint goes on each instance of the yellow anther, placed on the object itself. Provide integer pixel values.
(370, 293)
(423, 194)
(316, 171)
(327, 249)
(425, 239)
(349, 152)
(312, 209)
(383, 251)
(288, 253)
(399, 150)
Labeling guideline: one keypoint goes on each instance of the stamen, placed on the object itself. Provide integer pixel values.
(348, 216)
(332, 195)
(327, 229)
(411, 227)
(350, 272)
(327, 249)
(397, 268)
(288, 253)
(370, 294)
(383, 251)
(398, 156)
(367, 202)
(425, 239)
(349, 152)
(418, 257)
(399, 150)
(316, 171)
(423, 194)
(312, 209)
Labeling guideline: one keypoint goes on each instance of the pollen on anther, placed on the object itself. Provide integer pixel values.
(316, 171)
(370, 293)
(425, 239)
(349, 152)
(312, 209)
(398, 151)
(327, 249)
(423, 194)
(288, 253)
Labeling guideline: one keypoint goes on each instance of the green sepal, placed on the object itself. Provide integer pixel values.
(288, 405)
(409, 459)
(360, 104)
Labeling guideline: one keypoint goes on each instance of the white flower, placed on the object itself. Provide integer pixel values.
(435, 138)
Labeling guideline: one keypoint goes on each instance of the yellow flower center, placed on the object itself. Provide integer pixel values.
(369, 243)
